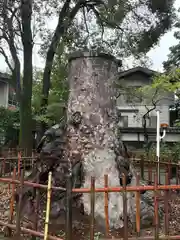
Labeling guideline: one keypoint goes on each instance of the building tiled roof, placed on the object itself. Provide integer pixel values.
(4, 77)
(131, 71)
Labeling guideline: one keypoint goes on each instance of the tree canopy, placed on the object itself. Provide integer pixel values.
(173, 60)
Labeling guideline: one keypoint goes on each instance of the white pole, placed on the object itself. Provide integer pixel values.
(158, 144)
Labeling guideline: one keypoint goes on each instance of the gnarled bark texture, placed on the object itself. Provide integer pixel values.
(93, 96)
(94, 138)
(87, 144)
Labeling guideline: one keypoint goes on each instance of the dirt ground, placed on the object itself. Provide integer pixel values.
(81, 223)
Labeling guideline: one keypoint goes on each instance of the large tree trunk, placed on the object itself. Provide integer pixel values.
(94, 139)
(93, 136)
(26, 95)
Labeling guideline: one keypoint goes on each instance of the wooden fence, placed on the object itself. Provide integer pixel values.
(16, 179)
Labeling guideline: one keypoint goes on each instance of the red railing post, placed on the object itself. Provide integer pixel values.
(7, 230)
(142, 166)
(106, 205)
(149, 173)
(156, 217)
(177, 173)
(18, 216)
(166, 207)
(19, 164)
(138, 207)
(125, 217)
(92, 208)
(169, 169)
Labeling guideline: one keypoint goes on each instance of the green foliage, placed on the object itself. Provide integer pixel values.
(149, 94)
(164, 86)
(155, 92)
(168, 82)
(123, 28)
(8, 118)
(173, 60)
(167, 152)
(9, 124)
(58, 93)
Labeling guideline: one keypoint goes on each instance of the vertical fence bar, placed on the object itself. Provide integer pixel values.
(169, 169)
(142, 166)
(7, 230)
(37, 201)
(166, 207)
(33, 160)
(46, 227)
(177, 174)
(12, 198)
(19, 164)
(3, 167)
(69, 208)
(10, 169)
(138, 207)
(125, 209)
(149, 173)
(18, 217)
(106, 205)
(9, 187)
(92, 208)
(9, 165)
(156, 232)
(168, 177)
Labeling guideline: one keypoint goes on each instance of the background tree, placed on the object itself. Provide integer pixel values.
(167, 152)
(148, 97)
(173, 60)
(58, 93)
(169, 82)
(15, 32)
(152, 96)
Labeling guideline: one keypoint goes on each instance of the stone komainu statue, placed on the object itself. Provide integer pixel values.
(53, 157)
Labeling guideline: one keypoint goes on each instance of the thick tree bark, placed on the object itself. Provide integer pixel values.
(26, 92)
(94, 140)
(93, 136)
(87, 144)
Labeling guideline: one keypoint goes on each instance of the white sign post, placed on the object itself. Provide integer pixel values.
(158, 139)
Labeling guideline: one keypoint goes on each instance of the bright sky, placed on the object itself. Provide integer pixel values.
(157, 55)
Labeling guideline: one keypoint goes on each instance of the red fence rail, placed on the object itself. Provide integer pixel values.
(92, 190)
(16, 179)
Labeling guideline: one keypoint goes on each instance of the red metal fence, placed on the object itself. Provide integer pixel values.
(16, 179)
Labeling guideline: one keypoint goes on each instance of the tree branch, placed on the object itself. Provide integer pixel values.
(85, 21)
(65, 19)
(97, 14)
(11, 44)
(102, 19)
